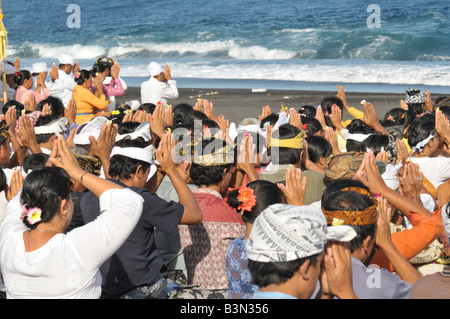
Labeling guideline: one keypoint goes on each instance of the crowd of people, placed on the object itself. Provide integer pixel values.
(145, 200)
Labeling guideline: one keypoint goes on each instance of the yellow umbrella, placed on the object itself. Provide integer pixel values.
(3, 45)
(3, 36)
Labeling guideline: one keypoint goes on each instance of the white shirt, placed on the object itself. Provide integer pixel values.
(62, 87)
(67, 265)
(154, 91)
(435, 169)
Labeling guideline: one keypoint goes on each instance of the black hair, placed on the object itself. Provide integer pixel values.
(335, 199)
(147, 107)
(400, 116)
(198, 116)
(328, 102)
(208, 175)
(356, 126)
(45, 188)
(44, 120)
(83, 75)
(97, 68)
(272, 119)
(56, 106)
(3, 181)
(268, 273)
(376, 142)
(104, 60)
(312, 127)
(419, 129)
(21, 76)
(267, 193)
(307, 111)
(127, 127)
(318, 147)
(122, 167)
(34, 161)
(286, 155)
(445, 110)
(19, 107)
(183, 113)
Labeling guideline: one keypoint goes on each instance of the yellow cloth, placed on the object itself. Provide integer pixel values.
(88, 103)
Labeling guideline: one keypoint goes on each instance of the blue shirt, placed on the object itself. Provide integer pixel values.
(239, 276)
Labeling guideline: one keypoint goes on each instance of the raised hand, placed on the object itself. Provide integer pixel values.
(295, 119)
(266, 111)
(295, 187)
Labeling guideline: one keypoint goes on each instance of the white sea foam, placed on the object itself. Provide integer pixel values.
(396, 73)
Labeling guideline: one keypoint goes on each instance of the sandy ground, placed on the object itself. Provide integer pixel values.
(237, 104)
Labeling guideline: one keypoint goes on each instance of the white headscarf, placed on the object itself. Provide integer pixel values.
(285, 232)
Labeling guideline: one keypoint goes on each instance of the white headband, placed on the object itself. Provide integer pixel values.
(137, 153)
(54, 127)
(142, 130)
(419, 146)
(357, 137)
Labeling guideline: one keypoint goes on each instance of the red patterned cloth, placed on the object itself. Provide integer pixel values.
(205, 246)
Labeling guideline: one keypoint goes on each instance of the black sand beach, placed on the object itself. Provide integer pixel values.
(237, 104)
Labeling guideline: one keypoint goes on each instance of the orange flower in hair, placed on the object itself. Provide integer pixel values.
(247, 197)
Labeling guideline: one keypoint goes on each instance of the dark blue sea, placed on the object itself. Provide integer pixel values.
(371, 46)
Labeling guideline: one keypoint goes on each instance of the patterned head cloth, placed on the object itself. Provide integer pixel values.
(345, 165)
(417, 98)
(3, 131)
(285, 232)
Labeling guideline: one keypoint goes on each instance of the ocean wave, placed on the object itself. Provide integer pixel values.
(325, 71)
(202, 49)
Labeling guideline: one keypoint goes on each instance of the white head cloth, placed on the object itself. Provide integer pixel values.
(91, 128)
(154, 68)
(7, 68)
(419, 146)
(142, 130)
(54, 127)
(390, 175)
(357, 137)
(137, 153)
(66, 59)
(40, 67)
(285, 232)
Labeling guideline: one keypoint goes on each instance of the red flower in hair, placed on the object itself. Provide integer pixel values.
(16, 74)
(247, 198)
(305, 126)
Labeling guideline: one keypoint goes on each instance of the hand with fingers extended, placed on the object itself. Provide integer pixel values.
(337, 271)
(15, 185)
(295, 187)
(410, 182)
(102, 146)
(246, 158)
(266, 111)
(70, 112)
(295, 119)
(157, 120)
(164, 154)
(321, 118)
(26, 136)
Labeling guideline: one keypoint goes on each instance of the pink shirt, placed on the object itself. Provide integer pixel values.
(114, 88)
(22, 95)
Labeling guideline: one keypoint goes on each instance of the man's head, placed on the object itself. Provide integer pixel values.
(156, 70)
(66, 63)
(286, 239)
(286, 145)
(349, 202)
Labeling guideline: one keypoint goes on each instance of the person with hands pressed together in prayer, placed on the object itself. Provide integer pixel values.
(286, 254)
(24, 91)
(89, 104)
(160, 86)
(135, 269)
(44, 256)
